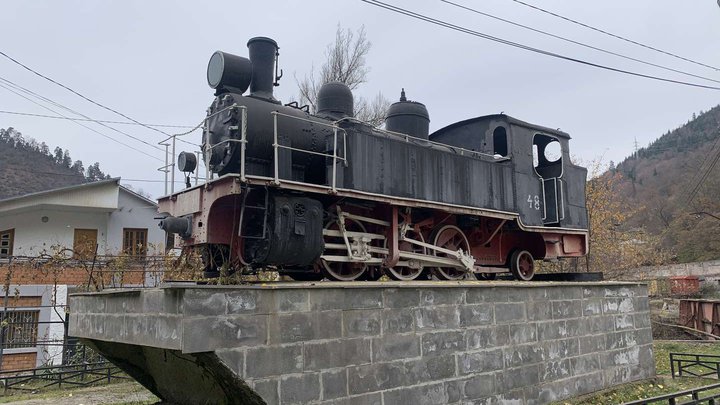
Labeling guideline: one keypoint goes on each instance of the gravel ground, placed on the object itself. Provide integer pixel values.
(115, 394)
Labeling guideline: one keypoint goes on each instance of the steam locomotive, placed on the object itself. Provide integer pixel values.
(325, 195)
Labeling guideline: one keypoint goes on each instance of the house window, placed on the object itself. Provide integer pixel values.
(84, 243)
(6, 243)
(135, 241)
(21, 329)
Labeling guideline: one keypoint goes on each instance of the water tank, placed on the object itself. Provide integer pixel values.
(408, 117)
(335, 100)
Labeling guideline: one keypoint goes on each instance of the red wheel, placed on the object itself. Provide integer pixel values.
(522, 265)
(343, 271)
(414, 269)
(452, 238)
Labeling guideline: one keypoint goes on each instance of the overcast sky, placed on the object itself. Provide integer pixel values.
(147, 59)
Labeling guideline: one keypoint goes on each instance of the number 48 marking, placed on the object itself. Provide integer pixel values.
(534, 202)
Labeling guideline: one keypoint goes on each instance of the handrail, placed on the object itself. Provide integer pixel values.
(407, 138)
(170, 147)
(276, 146)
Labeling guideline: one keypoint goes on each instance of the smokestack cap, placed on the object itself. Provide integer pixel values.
(262, 39)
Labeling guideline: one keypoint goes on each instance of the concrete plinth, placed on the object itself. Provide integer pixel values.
(372, 343)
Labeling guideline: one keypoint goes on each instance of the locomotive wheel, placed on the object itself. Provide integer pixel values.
(407, 273)
(522, 265)
(343, 271)
(452, 238)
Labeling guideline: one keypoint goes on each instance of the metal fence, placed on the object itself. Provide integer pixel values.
(72, 375)
(707, 395)
(694, 365)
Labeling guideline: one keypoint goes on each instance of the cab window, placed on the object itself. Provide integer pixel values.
(547, 156)
(500, 143)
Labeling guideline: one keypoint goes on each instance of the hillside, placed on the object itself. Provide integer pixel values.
(657, 182)
(27, 166)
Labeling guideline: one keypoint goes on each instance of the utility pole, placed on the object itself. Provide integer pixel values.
(636, 142)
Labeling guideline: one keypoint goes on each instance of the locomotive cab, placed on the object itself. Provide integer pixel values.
(547, 188)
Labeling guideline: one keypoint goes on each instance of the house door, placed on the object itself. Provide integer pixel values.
(84, 243)
(547, 159)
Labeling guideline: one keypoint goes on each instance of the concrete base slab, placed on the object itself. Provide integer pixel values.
(372, 343)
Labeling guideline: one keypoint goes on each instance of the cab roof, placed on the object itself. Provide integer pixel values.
(502, 117)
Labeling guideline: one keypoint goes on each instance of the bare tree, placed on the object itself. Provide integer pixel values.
(373, 112)
(345, 62)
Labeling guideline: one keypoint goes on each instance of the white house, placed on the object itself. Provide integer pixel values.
(103, 214)
(101, 217)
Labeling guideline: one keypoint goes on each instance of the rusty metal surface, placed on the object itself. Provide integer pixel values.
(702, 315)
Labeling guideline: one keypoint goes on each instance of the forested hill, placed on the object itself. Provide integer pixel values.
(658, 182)
(27, 166)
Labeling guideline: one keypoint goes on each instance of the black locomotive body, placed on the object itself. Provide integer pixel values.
(326, 195)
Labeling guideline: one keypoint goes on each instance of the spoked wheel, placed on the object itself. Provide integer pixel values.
(414, 269)
(522, 265)
(343, 271)
(452, 238)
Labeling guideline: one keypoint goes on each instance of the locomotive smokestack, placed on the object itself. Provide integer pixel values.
(263, 55)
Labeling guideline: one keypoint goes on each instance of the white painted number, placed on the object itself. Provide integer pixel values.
(534, 202)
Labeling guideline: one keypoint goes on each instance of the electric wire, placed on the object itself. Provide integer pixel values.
(713, 161)
(78, 174)
(614, 35)
(99, 122)
(47, 100)
(418, 16)
(90, 120)
(80, 95)
(2, 85)
(577, 42)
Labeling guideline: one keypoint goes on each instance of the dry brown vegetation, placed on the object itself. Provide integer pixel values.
(658, 183)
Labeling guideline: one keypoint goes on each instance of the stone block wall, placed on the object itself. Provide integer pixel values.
(388, 343)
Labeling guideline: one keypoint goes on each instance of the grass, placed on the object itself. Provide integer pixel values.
(662, 352)
(660, 385)
(117, 393)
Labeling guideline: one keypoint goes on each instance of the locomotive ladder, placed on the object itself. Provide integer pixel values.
(261, 209)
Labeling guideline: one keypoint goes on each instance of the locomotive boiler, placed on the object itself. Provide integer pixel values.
(325, 195)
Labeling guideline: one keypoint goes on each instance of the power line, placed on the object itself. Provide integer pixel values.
(30, 92)
(614, 35)
(445, 24)
(714, 160)
(80, 174)
(91, 120)
(79, 123)
(577, 42)
(99, 122)
(80, 95)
